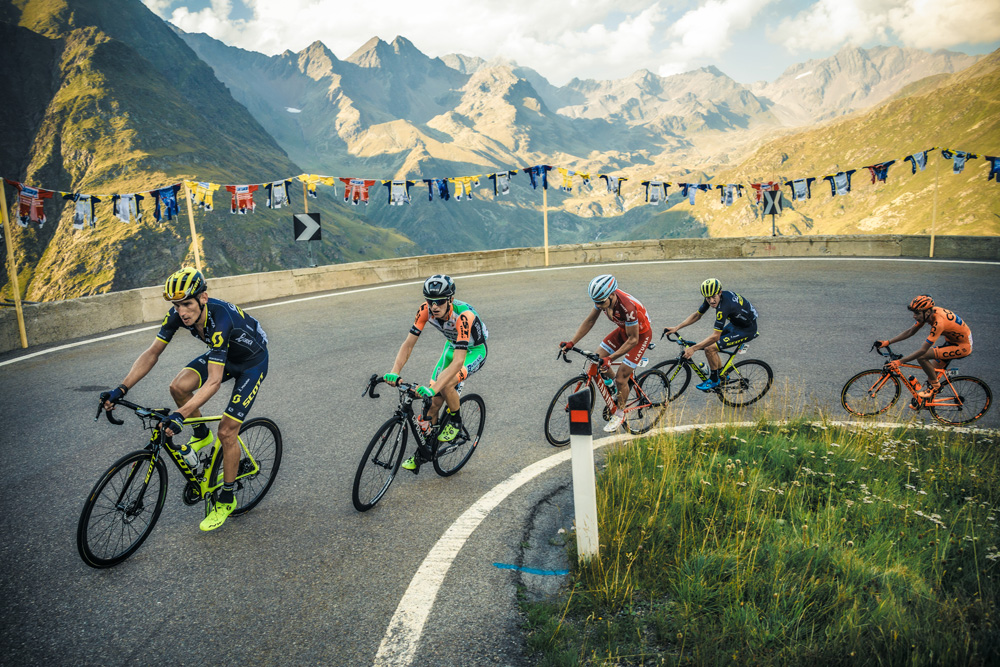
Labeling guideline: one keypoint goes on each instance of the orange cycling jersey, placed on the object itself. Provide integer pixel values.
(946, 323)
(628, 312)
(463, 328)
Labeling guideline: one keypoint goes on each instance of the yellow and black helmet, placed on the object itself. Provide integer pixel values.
(922, 302)
(184, 284)
(710, 287)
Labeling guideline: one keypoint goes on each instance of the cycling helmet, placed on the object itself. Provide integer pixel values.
(602, 287)
(922, 302)
(184, 284)
(439, 286)
(711, 287)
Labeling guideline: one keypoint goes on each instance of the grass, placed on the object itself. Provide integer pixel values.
(786, 544)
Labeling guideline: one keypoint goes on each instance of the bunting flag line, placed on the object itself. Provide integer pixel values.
(656, 191)
(801, 188)
(399, 192)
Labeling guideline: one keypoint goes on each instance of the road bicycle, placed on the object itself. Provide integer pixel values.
(384, 454)
(740, 384)
(647, 398)
(961, 399)
(126, 501)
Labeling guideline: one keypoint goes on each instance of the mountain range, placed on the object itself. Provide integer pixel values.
(109, 98)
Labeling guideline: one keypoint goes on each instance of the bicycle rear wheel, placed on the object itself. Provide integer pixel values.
(262, 439)
(649, 403)
(557, 416)
(678, 377)
(965, 401)
(379, 465)
(867, 393)
(746, 383)
(121, 510)
(451, 456)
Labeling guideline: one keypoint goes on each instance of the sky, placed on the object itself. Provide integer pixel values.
(749, 40)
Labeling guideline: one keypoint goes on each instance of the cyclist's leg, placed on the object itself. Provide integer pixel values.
(938, 357)
(629, 363)
(447, 356)
(475, 357)
(610, 345)
(731, 336)
(182, 388)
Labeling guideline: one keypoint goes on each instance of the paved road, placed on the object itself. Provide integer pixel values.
(304, 579)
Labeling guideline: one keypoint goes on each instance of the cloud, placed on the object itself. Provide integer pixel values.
(830, 24)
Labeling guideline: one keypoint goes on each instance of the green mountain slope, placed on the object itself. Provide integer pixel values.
(115, 102)
(959, 111)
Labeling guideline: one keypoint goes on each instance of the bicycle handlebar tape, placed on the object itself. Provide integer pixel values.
(584, 484)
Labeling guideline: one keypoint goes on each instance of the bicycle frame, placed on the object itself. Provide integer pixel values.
(592, 371)
(427, 443)
(940, 399)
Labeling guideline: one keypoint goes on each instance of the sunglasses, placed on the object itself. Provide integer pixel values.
(437, 302)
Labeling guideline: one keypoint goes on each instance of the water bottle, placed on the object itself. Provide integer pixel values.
(190, 456)
(610, 384)
(701, 365)
(423, 424)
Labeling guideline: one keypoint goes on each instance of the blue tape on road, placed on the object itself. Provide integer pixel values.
(529, 570)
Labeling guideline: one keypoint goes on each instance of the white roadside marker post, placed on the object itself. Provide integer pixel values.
(584, 484)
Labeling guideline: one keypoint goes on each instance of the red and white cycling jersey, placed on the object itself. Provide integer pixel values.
(627, 312)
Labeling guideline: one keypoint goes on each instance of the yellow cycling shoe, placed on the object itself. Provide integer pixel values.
(197, 443)
(218, 515)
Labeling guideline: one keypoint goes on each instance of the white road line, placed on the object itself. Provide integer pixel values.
(402, 637)
(513, 271)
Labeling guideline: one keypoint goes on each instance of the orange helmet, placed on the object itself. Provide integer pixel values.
(922, 302)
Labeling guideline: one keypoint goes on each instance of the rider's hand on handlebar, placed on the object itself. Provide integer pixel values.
(426, 392)
(880, 344)
(667, 331)
(893, 364)
(391, 378)
(173, 424)
(566, 345)
(109, 398)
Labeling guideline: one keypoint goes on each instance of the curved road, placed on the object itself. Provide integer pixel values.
(304, 579)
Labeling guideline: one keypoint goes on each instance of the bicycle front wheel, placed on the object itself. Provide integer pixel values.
(451, 456)
(678, 377)
(870, 393)
(121, 510)
(379, 465)
(557, 416)
(966, 400)
(262, 439)
(746, 383)
(648, 401)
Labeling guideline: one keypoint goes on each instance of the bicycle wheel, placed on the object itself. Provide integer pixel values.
(870, 393)
(262, 439)
(557, 416)
(654, 397)
(678, 377)
(451, 456)
(965, 401)
(379, 465)
(746, 383)
(121, 510)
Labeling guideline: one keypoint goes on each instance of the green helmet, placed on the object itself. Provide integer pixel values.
(184, 284)
(711, 287)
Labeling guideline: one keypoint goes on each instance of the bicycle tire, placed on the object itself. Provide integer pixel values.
(746, 383)
(115, 520)
(262, 438)
(973, 399)
(451, 457)
(656, 388)
(557, 420)
(856, 396)
(381, 462)
(678, 376)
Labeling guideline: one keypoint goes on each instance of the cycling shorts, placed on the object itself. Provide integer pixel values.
(617, 338)
(248, 381)
(732, 335)
(952, 352)
(475, 357)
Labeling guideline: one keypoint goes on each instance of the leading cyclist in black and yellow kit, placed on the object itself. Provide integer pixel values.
(237, 348)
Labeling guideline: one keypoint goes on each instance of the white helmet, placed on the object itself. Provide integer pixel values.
(602, 287)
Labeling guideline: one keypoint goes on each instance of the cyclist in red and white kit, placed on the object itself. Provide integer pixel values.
(627, 343)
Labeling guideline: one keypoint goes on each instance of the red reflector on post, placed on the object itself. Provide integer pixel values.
(579, 416)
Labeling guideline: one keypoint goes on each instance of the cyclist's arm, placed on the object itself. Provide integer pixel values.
(144, 363)
(906, 334)
(691, 319)
(404, 353)
(916, 355)
(447, 376)
(712, 339)
(586, 326)
(632, 332)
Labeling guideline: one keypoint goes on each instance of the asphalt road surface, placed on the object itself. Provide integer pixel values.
(304, 578)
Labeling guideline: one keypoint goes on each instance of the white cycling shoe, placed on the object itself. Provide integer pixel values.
(615, 422)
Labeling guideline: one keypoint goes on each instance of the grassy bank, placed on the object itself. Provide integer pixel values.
(787, 544)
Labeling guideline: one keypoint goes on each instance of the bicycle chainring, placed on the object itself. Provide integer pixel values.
(191, 494)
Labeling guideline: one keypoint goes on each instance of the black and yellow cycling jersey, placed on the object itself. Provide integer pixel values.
(234, 339)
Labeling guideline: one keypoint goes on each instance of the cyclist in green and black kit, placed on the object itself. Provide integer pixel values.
(464, 352)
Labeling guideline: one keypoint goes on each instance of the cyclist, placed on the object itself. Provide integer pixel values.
(628, 342)
(958, 341)
(735, 324)
(237, 348)
(464, 353)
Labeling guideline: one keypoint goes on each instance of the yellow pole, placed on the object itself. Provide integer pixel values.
(305, 198)
(12, 266)
(545, 222)
(937, 167)
(194, 234)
